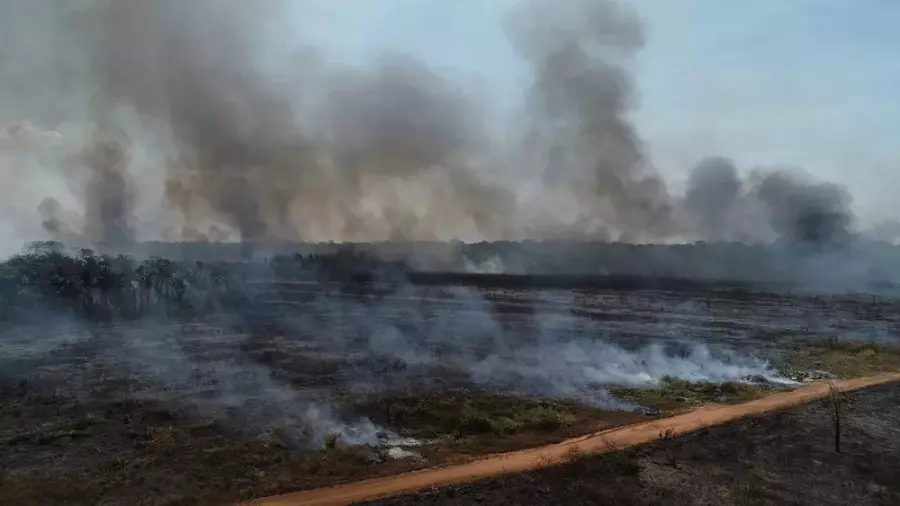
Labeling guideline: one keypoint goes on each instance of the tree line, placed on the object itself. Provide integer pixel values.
(46, 277)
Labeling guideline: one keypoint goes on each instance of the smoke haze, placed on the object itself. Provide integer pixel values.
(192, 121)
(788, 202)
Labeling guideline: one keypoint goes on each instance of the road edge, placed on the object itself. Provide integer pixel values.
(592, 444)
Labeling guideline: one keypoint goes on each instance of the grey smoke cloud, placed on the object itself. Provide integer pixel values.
(547, 353)
(580, 103)
(713, 189)
(201, 113)
(767, 203)
(806, 211)
(245, 155)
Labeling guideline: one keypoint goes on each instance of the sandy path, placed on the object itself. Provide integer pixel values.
(533, 458)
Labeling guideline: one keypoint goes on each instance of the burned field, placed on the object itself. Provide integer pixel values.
(285, 384)
(489, 277)
(787, 457)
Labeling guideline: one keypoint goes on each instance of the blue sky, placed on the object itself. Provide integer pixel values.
(811, 83)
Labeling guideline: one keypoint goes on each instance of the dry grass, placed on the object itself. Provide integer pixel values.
(160, 439)
(675, 395)
(464, 423)
(844, 359)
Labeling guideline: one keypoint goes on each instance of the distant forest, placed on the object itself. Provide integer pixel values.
(844, 266)
(203, 279)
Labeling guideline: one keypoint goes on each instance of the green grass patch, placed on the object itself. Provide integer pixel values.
(461, 424)
(845, 359)
(475, 412)
(673, 394)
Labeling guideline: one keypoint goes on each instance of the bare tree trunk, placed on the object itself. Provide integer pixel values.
(835, 395)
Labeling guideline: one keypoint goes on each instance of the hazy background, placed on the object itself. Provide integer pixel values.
(812, 83)
(212, 123)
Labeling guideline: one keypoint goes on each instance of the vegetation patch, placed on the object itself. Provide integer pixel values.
(469, 421)
(813, 360)
(471, 412)
(176, 463)
(673, 394)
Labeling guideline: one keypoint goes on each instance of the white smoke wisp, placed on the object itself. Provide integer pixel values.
(567, 361)
(579, 368)
(29, 157)
(547, 352)
(492, 265)
(237, 389)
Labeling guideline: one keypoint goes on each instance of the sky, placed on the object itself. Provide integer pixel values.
(803, 83)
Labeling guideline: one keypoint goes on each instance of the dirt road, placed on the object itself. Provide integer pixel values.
(533, 458)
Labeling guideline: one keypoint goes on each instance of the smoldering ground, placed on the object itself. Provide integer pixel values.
(426, 336)
(293, 377)
(187, 120)
(197, 121)
(178, 366)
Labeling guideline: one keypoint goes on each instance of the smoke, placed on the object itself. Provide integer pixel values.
(332, 344)
(95, 172)
(886, 230)
(236, 390)
(534, 348)
(493, 265)
(767, 204)
(190, 367)
(195, 120)
(580, 105)
(582, 368)
(806, 211)
(109, 193)
(272, 142)
(714, 189)
(337, 154)
(198, 121)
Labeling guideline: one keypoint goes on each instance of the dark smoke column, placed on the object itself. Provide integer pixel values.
(807, 212)
(109, 198)
(714, 191)
(580, 105)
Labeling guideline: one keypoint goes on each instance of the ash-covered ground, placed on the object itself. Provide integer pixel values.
(309, 383)
(782, 458)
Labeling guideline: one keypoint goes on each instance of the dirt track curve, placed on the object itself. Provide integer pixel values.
(533, 458)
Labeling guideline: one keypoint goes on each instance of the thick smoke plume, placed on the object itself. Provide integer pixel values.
(194, 120)
(352, 154)
(789, 203)
(580, 104)
(197, 121)
(109, 192)
(808, 212)
(714, 188)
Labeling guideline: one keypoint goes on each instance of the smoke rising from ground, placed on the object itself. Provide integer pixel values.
(374, 152)
(329, 345)
(806, 211)
(224, 389)
(580, 103)
(549, 352)
(790, 203)
(194, 121)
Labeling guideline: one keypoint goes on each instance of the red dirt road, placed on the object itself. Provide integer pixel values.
(533, 458)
